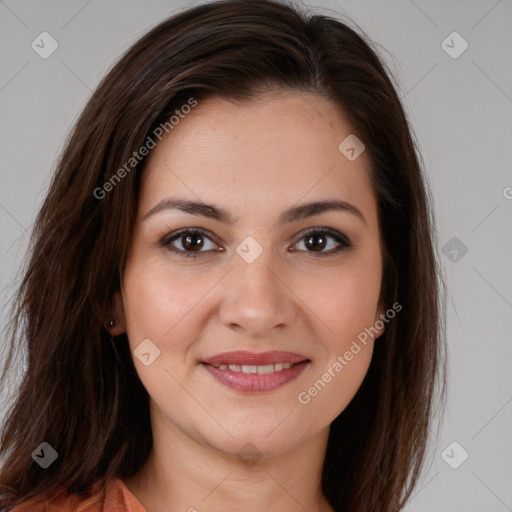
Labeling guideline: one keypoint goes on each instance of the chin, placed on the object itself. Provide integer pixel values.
(256, 439)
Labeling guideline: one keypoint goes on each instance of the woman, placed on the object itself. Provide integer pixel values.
(233, 299)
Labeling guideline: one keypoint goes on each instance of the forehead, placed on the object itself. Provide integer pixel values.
(278, 148)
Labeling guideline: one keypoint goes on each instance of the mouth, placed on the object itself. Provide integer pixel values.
(255, 372)
(251, 368)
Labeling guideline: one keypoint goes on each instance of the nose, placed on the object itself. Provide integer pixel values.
(258, 299)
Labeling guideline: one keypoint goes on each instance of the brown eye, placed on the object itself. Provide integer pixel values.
(189, 243)
(316, 242)
(318, 239)
(192, 242)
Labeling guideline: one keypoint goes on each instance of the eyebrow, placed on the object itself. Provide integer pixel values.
(290, 215)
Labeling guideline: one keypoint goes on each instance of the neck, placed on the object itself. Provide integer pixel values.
(183, 474)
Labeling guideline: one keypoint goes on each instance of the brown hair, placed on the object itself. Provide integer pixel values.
(80, 392)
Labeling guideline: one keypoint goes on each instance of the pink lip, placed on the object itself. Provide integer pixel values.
(255, 382)
(255, 358)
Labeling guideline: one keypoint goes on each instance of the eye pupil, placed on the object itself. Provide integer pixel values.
(316, 238)
(190, 244)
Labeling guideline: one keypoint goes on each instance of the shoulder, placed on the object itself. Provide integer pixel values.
(113, 496)
(59, 502)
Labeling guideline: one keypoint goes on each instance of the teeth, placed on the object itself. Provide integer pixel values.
(267, 368)
(250, 368)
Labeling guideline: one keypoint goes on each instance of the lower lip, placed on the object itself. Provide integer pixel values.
(256, 382)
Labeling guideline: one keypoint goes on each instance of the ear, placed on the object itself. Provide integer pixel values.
(117, 315)
(379, 320)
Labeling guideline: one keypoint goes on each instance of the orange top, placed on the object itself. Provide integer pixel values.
(114, 497)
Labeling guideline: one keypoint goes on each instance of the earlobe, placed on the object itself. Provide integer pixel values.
(380, 323)
(116, 324)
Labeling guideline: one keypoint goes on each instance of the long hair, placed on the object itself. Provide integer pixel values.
(80, 392)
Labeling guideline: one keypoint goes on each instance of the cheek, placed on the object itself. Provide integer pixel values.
(158, 297)
(347, 305)
(330, 392)
(158, 306)
(169, 305)
(344, 300)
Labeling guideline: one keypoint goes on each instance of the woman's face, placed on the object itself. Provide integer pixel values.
(260, 289)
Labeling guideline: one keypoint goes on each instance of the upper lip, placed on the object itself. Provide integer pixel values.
(243, 357)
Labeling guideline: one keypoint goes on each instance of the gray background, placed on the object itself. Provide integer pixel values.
(461, 111)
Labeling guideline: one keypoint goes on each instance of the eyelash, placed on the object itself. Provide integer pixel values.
(338, 237)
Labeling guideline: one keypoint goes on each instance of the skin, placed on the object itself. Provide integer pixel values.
(255, 160)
